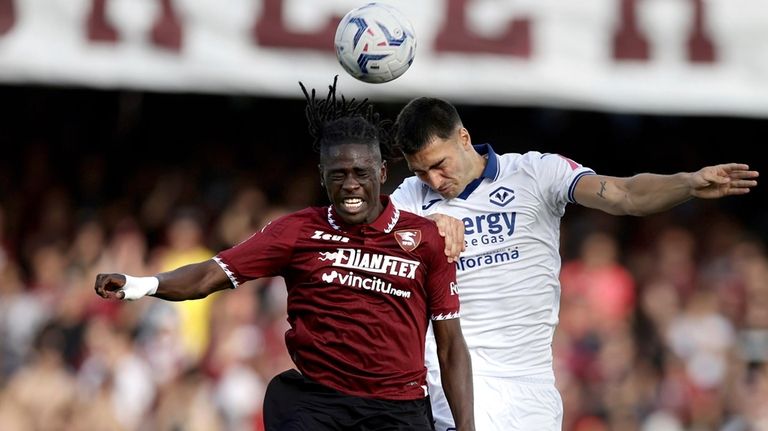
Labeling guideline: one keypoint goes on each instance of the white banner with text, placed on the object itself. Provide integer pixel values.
(655, 56)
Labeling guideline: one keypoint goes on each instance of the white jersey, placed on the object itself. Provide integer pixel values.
(509, 273)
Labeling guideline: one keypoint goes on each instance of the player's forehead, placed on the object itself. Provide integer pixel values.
(357, 156)
(433, 152)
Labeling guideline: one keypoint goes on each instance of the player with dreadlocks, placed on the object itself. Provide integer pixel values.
(363, 280)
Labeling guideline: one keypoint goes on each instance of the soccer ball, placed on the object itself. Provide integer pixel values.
(375, 43)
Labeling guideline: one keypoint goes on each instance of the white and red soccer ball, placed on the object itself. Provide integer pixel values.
(375, 43)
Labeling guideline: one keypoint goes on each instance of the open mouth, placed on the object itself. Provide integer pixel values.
(352, 205)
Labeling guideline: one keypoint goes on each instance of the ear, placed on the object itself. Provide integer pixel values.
(383, 171)
(320, 169)
(465, 139)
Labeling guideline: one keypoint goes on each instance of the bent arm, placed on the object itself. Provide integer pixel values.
(647, 193)
(452, 231)
(193, 281)
(456, 372)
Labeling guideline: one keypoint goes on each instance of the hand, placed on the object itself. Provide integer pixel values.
(727, 179)
(452, 229)
(110, 286)
(121, 286)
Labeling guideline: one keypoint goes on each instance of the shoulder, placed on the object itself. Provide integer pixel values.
(410, 194)
(514, 162)
(411, 185)
(411, 221)
(297, 218)
(517, 164)
(408, 218)
(536, 162)
(310, 213)
(527, 157)
(517, 159)
(420, 238)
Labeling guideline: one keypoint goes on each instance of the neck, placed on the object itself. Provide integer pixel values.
(481, 161)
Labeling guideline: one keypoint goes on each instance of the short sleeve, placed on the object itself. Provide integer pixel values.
(557, 177)
(441, 284)
(265, 254)
(407, 196)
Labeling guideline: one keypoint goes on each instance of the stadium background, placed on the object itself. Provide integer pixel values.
(664, 319)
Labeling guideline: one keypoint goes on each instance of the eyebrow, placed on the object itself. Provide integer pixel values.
(436, 164)
(343, 170)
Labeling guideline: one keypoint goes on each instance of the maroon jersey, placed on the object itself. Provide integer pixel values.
(359, 296)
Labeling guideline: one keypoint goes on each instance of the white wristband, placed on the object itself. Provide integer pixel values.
(137, 287)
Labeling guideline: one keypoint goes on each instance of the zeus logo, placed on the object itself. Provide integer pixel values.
(329, 237)
(371, 262)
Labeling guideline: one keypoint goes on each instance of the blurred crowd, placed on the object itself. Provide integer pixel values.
(72, 361)
(668, 332)
(664, 322)
(664, 319)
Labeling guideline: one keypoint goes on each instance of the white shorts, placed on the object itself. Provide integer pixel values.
(504, 404)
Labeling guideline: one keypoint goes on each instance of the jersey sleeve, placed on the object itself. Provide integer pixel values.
(407, 196)
(264, 254)
(441, 285)
(557, 177)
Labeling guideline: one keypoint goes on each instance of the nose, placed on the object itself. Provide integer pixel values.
(434, 179)
(350, 183)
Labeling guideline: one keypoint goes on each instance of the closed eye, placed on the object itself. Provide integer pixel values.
(437, 166)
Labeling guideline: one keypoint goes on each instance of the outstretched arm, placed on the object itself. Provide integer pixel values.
(455, 372)
(645, 194)
(194, 281)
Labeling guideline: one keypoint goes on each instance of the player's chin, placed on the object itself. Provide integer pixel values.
(448, 191)
(355, 215)
(448, 194)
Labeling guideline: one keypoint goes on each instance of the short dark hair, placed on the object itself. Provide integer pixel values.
(423, 119)
(335, 121)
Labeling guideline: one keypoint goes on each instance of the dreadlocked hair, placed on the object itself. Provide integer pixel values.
(337, 120)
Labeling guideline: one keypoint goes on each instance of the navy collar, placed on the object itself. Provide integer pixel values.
(490, 172)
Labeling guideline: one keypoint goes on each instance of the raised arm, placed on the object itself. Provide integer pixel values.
(194, 281)
(644, 194)
(455, 372)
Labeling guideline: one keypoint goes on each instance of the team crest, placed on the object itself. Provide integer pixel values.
(408, 239)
